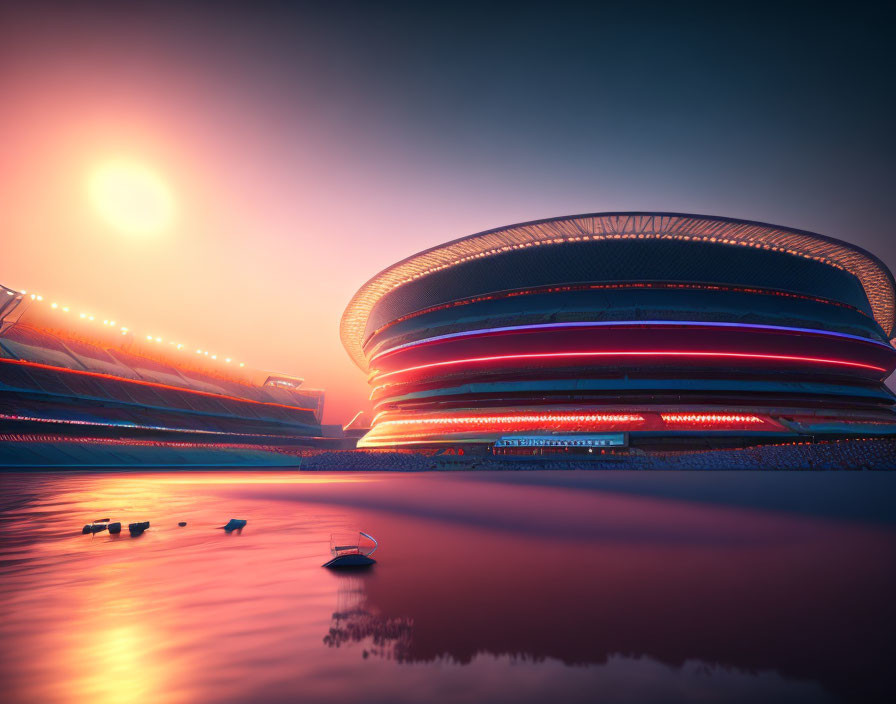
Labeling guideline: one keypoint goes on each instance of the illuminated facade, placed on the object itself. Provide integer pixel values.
(66, 373)
(660, 326)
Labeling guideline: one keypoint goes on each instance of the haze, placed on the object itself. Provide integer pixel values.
(308, 149)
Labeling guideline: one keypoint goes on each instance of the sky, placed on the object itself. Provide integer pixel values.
(307, 147)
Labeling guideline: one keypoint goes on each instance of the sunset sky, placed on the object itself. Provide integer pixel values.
(304, 150)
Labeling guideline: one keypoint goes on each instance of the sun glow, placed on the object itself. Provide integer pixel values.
(131, 198)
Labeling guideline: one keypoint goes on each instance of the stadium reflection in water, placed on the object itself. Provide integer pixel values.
(504, 587)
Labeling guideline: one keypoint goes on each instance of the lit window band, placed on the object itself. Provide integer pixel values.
(708, 418)
(519, 418)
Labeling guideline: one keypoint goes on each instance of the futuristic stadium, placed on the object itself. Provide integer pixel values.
(77, 389)
(618, 333)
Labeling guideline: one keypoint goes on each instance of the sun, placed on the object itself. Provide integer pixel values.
(131, 198)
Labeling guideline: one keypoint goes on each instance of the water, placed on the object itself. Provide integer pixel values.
(513, 587)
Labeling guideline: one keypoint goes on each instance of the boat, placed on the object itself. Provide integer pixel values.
(353, 550)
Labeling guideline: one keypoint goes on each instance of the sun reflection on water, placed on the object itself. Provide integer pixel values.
(483, 585)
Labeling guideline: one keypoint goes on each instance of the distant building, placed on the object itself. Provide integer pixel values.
(658, 330)
(69, 376)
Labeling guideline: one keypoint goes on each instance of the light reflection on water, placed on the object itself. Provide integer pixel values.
(502, 587)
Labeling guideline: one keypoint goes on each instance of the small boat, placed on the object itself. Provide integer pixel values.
(233, 524)
(353, 550)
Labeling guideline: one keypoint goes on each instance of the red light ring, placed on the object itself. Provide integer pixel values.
(629, 353)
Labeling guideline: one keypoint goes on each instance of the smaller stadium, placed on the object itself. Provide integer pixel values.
(77, 389)
(631, 335)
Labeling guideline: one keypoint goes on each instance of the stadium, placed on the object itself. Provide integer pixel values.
(79, 389)
(620, 333)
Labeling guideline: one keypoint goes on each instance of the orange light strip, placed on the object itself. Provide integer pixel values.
(629, 353)
(539, 418)
(152, 384)
(708, 418)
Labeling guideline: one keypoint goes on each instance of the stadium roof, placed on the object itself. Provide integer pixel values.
(868, 269)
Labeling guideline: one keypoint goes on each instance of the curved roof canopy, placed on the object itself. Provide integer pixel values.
(868, 269)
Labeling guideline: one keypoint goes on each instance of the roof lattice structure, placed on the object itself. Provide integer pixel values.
(869, 270)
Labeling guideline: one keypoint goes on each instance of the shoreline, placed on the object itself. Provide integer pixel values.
(847, 454)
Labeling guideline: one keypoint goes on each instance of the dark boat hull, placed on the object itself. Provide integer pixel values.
(350, 561)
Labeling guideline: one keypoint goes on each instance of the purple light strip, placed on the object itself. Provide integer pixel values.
(621, 323)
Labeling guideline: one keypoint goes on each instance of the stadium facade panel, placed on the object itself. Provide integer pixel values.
(656, 325)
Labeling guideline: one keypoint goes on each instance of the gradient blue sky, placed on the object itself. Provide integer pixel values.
(308, 147)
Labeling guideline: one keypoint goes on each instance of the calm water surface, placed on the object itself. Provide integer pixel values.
(516, 587)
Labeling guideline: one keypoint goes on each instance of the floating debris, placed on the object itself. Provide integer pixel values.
(234, 524)
(182, 524)
(115, 527)
(138, 528)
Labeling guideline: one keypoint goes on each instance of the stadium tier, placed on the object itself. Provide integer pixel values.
(629, 330)
(66, 374)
